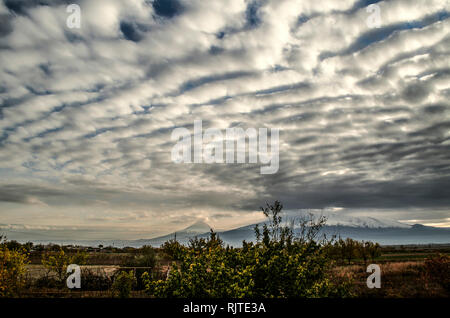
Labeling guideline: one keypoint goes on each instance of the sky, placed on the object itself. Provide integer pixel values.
(359, 91)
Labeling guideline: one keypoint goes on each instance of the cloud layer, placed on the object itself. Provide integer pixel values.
(86, 114)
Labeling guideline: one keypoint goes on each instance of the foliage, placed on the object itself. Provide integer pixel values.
(349, 249)
(123, 284)
(56, 262)
(144, 259)
(279, 264)
(373, 250)
(173, 249)
(14, 245)
(12, 269)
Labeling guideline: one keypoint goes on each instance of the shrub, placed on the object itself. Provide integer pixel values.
(123, 284)
(173, 249)
(12, 269)
(145, 257)
(279, 264)
(56, 263)
(144, 260)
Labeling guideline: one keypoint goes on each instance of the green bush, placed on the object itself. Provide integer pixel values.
(12, 269)
(123, 284)
(145, 261)
(173, 249)
(279, 264)
(56, 263)
(144, 257)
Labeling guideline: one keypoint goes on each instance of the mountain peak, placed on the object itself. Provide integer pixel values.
(199, 227)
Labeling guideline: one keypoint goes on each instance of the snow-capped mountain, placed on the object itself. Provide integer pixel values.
(383, 231)
(198, 227)
(339, 219)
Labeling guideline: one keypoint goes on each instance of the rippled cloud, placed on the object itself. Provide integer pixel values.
(86, 114)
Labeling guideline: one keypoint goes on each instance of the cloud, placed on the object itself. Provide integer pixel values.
(168, 8)
(86, 114)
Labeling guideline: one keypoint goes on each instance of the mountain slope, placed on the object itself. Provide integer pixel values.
(199, 228)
